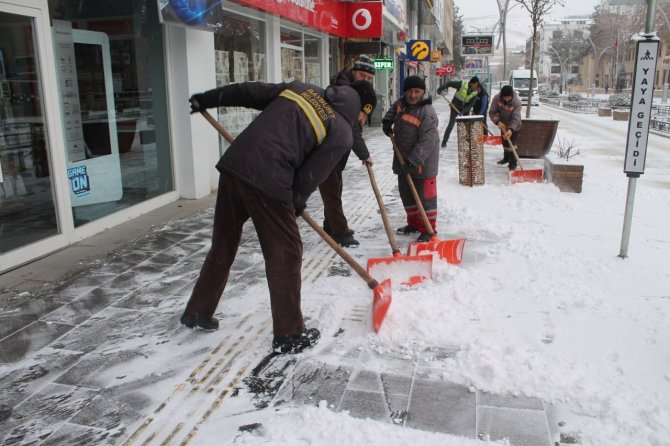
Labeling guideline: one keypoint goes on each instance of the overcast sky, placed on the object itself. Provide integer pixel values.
(482, 15)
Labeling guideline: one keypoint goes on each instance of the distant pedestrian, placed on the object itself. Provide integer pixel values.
(266, 175)
(412, 121)
(607, 87)
(505, 112)
(462, 102)
(334, 221)
(480, 105)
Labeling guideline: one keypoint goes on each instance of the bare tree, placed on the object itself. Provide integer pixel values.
(612, 28)
(537, 9)
(459, 60)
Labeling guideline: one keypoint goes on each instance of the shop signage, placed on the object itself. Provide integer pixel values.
(446, 69)
(418, 50)
(202, 14)
(640, 108)
(359, 19)
(384, 64)
(481, 44)
(436, 56)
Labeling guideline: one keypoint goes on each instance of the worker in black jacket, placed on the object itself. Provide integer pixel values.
(334, 221)
(267, 174)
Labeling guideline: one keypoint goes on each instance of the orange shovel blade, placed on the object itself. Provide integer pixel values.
(493, 140)
(525, 176)
(449, 250)
(380, 303)
(410, 270)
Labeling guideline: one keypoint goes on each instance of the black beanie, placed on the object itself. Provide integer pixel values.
(507, 90)
(474, 79)
(413, 82)
(367, 94)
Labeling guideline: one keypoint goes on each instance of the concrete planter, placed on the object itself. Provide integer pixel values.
(620, 115)
(566, 175)
(604, 111)
(536, 137)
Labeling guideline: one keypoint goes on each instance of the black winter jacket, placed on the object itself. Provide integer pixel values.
(345, 77)
(279, 153)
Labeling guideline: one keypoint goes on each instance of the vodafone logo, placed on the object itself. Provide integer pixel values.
(361, 19)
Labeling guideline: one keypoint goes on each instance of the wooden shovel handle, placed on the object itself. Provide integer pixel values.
(372, 283)
(382, 209)
(415, 194)
(513, 147)
(219, 128)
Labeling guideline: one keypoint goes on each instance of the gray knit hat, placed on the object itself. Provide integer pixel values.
(364, 63)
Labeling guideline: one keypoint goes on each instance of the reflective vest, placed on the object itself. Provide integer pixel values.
(463, 95)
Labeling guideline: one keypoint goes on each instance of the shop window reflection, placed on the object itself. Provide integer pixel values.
(135, 111)
(240, 56)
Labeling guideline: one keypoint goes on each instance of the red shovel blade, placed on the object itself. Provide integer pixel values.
(449, 250)
(410, 270)
(381, 301)
(492, 140)
(525, 176)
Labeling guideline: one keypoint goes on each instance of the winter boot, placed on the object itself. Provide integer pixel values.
(346, 240)
(196, 321)
(406, 230)
(423, 237)
(296, 343)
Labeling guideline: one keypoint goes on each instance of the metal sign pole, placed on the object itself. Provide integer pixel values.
(638, 123)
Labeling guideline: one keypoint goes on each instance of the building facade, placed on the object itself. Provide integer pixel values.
(94, 116)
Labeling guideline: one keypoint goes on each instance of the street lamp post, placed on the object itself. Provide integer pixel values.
(595, 67)
(560, 63)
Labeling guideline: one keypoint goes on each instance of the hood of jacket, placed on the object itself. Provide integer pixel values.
(345, 100)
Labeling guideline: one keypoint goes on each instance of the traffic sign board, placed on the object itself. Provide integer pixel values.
(640, 109)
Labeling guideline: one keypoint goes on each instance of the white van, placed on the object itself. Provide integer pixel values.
(520, 80)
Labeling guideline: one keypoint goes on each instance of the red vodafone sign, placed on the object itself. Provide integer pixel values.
(360, 19)
(448, 68)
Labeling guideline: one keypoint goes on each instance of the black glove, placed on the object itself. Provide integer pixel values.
(299, 203)
(197, 103)
(387, 128)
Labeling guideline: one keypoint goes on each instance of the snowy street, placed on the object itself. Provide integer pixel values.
(542, 336)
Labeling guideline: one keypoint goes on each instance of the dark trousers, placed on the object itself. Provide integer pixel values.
(426, 188)
(452, 120)
(334, 221)
(508, 156)
(280, 241)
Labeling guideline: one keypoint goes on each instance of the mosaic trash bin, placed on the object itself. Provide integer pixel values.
(469, 130)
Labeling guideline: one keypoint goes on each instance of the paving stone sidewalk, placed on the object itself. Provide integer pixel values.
(71, 346)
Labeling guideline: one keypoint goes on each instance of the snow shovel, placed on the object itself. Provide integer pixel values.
(382, 292)
(419, 266)
(490, 138)
(522, 175)
(381, 299)
(449, 250)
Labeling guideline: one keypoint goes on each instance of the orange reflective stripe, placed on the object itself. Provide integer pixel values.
(411, 119)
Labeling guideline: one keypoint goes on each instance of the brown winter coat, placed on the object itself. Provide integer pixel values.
(415, 131)
(279, 153)
(508, 112)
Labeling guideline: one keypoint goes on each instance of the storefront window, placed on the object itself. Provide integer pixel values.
(111, 74)
(240, 56)
(333, 56)
(300, 56)
(27, 208)
(313, 59)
